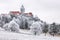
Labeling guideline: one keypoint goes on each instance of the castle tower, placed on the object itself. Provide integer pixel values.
(22, 9)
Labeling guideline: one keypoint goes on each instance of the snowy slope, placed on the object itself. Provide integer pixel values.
(4, 35)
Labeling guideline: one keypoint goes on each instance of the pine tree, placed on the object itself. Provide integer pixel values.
(45, 29)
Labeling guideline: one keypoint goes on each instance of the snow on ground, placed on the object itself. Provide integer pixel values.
(4, 35)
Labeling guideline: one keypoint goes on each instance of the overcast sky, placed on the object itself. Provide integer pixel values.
(46, 10)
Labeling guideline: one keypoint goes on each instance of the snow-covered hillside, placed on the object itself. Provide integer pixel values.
(4, 35)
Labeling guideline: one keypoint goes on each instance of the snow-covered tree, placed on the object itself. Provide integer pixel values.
(36, 28)
(58, 27)
(20, 21)
(6, 27)
(23, 22)
(13, 26)
(2, 23)
(45, 28)
(36, 18)
(26, 24)
(30, 22)
(6, 18)
(53, 29)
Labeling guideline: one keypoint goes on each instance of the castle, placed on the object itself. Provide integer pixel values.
(22, 9)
